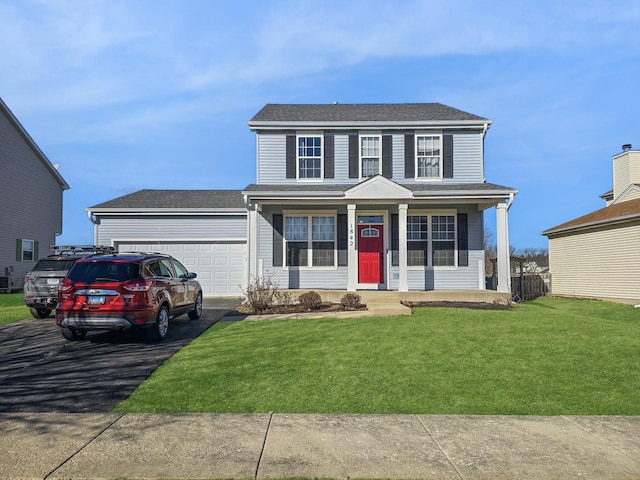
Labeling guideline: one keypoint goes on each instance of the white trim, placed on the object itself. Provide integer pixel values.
(430, 214)
(309, 214)
(310, 134)
(362, 135)
(418, 178)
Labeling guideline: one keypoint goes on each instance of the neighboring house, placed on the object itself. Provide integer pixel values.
(31, 214)
(598, 255)
(347, 197)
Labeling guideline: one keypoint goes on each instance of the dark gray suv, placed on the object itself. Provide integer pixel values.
(41, 283)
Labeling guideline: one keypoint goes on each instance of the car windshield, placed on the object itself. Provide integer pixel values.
(90, 272)
(52, 265)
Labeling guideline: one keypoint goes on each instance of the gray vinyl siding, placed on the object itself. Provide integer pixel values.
(31, 201)
(467, 158)
(162, 228)
(271, 153)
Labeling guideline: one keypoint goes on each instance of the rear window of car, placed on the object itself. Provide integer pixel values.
(53, 265)
(90, 272)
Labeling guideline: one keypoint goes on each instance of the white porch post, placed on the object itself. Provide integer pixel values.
(352, 256)
(403, 284)
(502, 234)
(252, 241)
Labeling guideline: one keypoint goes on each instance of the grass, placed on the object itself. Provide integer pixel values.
(12, 308)
(549, 356)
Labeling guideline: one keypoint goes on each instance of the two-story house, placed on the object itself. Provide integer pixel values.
(347, 197)
(31, 214)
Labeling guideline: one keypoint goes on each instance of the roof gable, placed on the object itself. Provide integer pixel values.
(32, 145)
(378, 187)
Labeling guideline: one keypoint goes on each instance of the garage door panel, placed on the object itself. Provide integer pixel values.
(220, 266)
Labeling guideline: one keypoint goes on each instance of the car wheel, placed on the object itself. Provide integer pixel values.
(73, 334)
(195, 313)
(40, 312)
(159, 329)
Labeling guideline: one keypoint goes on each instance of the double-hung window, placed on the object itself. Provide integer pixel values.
(428, 156)
(310, 157)
(431, 240)
(370, 152)
(310, 240)
(28, 248)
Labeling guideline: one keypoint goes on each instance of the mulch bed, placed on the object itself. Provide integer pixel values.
(296, 308)
(472, 305)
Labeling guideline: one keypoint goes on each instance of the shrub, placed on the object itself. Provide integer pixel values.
(283, 299)
(310, 300)
(260, 293)
(351, 300)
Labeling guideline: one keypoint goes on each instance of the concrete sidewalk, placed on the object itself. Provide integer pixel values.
(195, 446)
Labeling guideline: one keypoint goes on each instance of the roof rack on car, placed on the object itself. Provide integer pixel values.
(72, 249)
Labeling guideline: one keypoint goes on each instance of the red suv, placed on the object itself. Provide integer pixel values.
(126, 291)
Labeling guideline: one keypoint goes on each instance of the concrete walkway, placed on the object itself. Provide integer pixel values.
(243, 446)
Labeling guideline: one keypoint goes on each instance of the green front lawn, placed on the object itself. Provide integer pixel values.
(12, 308)
(549, 356)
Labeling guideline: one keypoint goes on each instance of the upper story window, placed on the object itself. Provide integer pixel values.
(428, 157)
(310, 157)
(370, 151)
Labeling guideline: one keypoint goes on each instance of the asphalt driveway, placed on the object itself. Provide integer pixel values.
(40, 371)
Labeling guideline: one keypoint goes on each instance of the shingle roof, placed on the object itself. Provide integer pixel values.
(177, 199)
(425, 188)
(378, 112)
(612, 214)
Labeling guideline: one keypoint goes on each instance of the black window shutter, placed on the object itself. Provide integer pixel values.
(387, 163)
(36, 250)
(343, 240)
(395, 240)
(328, 156)
(19, 250)
(277, 239)
(291, 156)
(447, 156)
(463, 240)
(409, 156)
(354, 170)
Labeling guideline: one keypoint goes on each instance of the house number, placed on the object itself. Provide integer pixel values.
(352, 242)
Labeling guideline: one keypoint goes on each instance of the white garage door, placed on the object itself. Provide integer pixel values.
(220, 266)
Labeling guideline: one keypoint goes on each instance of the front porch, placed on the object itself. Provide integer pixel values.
(389, 302)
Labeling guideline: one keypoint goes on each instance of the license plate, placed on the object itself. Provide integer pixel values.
(95, 300)
(53, 281)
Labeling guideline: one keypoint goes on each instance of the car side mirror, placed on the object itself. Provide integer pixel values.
(192, 275)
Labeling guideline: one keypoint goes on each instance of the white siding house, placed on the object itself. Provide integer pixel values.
(31, 214)
(598, 255)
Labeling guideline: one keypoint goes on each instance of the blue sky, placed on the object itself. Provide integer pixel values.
(126, 95)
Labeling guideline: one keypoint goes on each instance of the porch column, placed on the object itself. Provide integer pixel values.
(502, 240)
(403, 284)
(252, 243)
(352, 255)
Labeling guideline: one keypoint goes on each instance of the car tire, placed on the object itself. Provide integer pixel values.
(196, 311)
(160, 328)
(40, 312)
(73, 334)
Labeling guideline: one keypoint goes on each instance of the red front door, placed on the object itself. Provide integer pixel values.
(370, 250)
